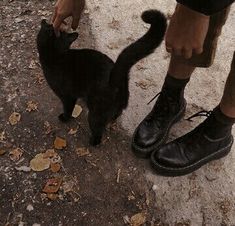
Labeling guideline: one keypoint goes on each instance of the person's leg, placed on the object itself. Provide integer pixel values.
(170, 106)
(168, 109)
(211, 140)
(179, 70)
(227, 104)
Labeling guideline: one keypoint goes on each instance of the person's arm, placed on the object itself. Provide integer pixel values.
(67, 8)
(207, 7)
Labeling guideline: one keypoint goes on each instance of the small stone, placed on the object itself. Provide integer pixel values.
(30, 208)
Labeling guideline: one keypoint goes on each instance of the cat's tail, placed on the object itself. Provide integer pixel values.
(141, 48)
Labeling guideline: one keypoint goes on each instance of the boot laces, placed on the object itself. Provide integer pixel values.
(200, 113)
(154, 98)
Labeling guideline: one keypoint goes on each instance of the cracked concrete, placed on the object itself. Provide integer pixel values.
(206, 197)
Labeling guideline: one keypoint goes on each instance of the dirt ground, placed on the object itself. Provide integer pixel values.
(106, 186)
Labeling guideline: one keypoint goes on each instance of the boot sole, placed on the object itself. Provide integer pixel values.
(146, 152)
(174, 172)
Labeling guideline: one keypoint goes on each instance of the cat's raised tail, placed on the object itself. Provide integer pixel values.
(141, 48)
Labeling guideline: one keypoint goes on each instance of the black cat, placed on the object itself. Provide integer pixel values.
(93, 76)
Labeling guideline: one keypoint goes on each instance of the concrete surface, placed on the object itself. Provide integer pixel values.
(206, 197)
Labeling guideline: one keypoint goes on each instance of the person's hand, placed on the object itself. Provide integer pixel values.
(67, 8)
(186, 32)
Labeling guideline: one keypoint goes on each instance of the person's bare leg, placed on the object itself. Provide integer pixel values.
(179, 70)
(227, 104)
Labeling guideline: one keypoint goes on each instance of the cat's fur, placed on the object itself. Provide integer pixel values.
(93, 76)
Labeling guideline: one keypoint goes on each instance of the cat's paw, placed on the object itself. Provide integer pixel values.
(94, 141)
(64, 118)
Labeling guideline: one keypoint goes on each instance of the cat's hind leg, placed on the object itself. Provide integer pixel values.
(97, 122)
(68, 106)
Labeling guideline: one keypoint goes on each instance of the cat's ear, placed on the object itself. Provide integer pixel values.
(72, 37)
(44, 22)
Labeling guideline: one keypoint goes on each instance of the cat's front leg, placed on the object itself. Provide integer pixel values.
(68, 105)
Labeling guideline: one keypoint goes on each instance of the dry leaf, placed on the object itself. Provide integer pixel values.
(52, 185)
(82, 152)
(72, 131)
(126, 219)
(113, 45)
(47, 127)
(39, 79)
(52, 196)
(32, 64)
(2, 136)
(115, 24)
(77, 111)
(15, 154)
(142, 84)
(2, 152)
(32, 106)
(49, 153)
(39, 163)
(60, 143)
(14, 118)
(55, 167)
(68, 186)
(138, 219)
(23, 168)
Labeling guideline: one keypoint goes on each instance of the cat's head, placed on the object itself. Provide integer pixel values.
(47, 38)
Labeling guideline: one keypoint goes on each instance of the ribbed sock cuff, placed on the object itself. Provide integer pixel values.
(174, 82)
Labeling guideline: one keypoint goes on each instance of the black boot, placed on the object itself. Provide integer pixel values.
(168, 109)
(211, 140)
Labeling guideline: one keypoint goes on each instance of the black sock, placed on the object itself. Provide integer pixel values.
(220, 124)
(174, 87)
(172, 82)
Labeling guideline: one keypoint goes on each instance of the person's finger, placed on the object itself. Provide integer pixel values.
(198, 50)
(177, 51)
(187, 53)
(54, 15)
(75, 22)
(168, 47)
(57, 22)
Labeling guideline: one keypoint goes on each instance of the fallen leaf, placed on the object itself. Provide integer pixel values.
(49, 153)
(52, 185)
(2, 136)
(23, 168)
(126, 219)
(32, 106)
(32, 64)
(52, 196)
(113, 45)
(47, 127)
(39, 163)
(72, 131)
(39, 79)
(60, 143)
(15, 154)
(55, 167)
(19, 20)
(115, 24)
(68, 186)
(82, 152)
(138, 219)
(77, 111)
(14, 118)
(2, 152)
(142, 84)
